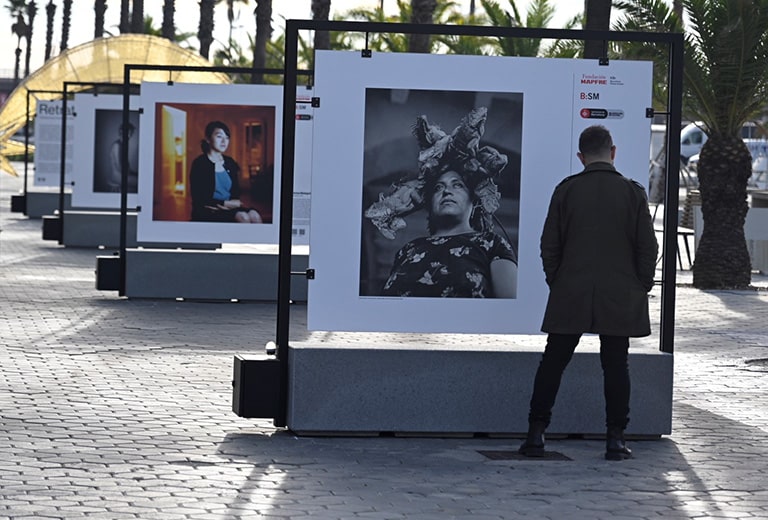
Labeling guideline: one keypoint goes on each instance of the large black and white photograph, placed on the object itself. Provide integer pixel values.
(441, 193)
(413, 155)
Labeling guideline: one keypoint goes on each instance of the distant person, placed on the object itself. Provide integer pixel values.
(214, 181)
(598, 248)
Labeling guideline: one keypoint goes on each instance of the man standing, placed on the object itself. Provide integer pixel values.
(598, 248)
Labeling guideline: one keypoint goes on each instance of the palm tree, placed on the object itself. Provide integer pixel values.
(31, 13)
(725, 78)
(20, 30)
(422, 11)
(597, 14)
(321, 10)
(263, 13)
(394, 42)
(137, 17)
(168, 27)
(205, 29)
(177, 37)
(16, 8)
(125, 16)
(66, 23)
(99, 7)
(539, 15)
(463, 44)
(50, 12)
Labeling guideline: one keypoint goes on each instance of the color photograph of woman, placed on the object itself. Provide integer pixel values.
(441, 194)
(214, 181)
(214, 163)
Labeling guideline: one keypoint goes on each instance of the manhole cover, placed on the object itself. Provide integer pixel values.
(515, 455)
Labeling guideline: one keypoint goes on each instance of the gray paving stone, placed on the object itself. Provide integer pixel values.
(115, 408)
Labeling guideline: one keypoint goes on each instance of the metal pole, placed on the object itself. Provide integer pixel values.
(674, 102)
(124, 165)
(286, 217)
(62, 165)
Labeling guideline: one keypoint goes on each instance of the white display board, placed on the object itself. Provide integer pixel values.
(172, 125)
(48, 120)
(536, 109)
(96, 161)
(302, 165)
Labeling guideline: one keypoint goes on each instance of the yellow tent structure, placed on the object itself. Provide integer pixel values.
(99, 61)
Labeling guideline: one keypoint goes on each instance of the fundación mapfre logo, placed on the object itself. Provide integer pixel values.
(594, 79)
(601, 113)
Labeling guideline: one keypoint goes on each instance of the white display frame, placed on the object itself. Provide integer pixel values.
(180, 231)
(84, 194)
(554, 96)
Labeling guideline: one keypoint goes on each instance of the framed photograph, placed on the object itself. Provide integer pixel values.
(395, 227)
(211, 154)
(389, 130)
(97, 164)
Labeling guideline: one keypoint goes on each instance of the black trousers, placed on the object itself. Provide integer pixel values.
(616, 387)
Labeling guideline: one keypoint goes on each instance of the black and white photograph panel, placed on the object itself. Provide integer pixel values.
(441, 193)
(110, 133)
(97, 160)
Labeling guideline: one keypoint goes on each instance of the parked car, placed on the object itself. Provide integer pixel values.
(693, 137)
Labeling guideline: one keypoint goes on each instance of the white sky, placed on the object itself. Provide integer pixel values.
(187, 18)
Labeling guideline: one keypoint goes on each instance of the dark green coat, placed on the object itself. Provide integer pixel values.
(599, 252)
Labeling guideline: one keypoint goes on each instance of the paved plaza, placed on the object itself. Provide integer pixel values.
(121, 409)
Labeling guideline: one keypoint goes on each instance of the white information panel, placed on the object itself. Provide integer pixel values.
(181, 191)
(383, 119)
(97, 165)
(48, 119)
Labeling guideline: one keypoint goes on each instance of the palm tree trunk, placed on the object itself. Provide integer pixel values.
(125, 16)
(66, 23)
(205, 31)
(137, 17)
(321, 10)
(598, 18)
(422, 11)
(50, 12)
(263, 14)
(31, 13)
(17, 67)
(99, 7)
(168, 28)
(722, 259)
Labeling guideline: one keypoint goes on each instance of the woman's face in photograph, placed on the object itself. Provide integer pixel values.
(451, 197)
(219, 140)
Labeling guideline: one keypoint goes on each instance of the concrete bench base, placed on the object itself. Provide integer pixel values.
(432, 391)
(37, 204)
(203, 275)
(101, 229)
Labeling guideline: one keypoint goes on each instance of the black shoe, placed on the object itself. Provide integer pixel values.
(534, 442)
(616, 446)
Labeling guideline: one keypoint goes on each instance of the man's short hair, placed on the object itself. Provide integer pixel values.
(595, 141)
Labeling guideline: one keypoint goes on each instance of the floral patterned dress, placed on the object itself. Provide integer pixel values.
(456, 266)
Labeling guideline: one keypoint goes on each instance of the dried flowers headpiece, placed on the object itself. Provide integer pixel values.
(459, 151)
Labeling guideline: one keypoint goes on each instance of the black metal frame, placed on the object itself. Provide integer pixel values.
(674, 104)
(63, 153)
(127, 69)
